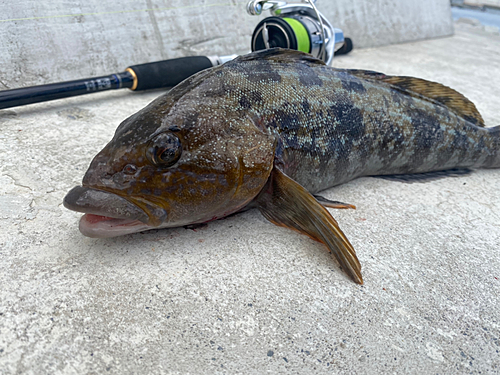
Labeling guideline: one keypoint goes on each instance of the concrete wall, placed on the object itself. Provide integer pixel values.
(50, 41)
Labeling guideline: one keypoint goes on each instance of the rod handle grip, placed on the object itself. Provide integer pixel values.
(166, 73)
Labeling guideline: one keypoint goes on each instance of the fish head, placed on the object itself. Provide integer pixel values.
(183, 159)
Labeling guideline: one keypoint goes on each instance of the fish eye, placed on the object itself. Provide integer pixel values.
(164, 150)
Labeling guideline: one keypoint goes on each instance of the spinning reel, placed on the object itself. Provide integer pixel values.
(295, 26)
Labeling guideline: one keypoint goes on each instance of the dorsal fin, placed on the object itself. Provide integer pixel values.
(280, 55)
(448, 97)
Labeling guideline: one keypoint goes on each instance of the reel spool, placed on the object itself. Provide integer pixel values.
(295, 26)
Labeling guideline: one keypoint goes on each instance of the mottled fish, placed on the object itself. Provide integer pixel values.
(269, 130)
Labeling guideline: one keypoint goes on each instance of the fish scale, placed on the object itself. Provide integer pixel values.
(268, 130)
(333, 125)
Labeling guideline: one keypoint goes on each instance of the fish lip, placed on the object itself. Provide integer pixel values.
(105, 227)
(103, 203)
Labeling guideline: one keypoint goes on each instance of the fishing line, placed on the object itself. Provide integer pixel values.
(124, 11)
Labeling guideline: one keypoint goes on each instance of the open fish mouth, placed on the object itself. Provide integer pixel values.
(106, 214)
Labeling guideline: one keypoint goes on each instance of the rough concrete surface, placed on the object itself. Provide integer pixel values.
(51, 41)
(242, 295)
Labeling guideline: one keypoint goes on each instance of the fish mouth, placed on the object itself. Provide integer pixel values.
(106, 214)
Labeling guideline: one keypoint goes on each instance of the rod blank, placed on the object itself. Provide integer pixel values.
(166, 73)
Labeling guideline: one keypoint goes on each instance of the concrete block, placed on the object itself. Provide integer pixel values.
(483, 3)
(51, 41)
(243, 296)
(382, 22)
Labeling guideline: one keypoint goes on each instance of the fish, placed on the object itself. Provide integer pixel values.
(269, 130)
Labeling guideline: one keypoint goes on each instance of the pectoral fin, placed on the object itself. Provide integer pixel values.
(286, 203)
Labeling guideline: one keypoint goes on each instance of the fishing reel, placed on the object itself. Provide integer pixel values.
(295, 26)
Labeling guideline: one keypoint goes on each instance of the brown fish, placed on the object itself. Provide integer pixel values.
(269, 130)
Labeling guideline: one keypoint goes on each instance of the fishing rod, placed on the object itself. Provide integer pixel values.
(166, 73)
(295, 26)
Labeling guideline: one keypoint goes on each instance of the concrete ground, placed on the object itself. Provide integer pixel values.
(242, 295)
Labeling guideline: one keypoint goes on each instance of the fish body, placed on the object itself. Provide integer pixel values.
(335, 125)
(268, 130)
